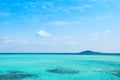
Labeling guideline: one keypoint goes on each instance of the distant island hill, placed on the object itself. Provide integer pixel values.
(87, 52)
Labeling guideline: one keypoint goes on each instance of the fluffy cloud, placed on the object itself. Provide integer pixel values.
(108, 31)
(43, 33)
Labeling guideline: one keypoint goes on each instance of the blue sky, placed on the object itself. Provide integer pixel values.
(59, 25)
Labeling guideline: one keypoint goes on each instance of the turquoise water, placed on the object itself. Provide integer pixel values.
(89, 67)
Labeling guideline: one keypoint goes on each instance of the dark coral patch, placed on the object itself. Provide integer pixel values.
(16, 75)
(63, 71)
(117, 73)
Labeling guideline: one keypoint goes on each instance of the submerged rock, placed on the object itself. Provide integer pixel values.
(63, 71)
(16, 75)
(117, 73)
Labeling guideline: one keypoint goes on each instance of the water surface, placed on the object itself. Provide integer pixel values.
(61, 67)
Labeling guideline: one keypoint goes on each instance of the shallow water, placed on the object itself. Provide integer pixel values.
(87, 67)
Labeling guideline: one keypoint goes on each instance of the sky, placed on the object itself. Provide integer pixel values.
(59, 25)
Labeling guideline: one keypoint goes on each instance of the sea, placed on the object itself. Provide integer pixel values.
(59, 67)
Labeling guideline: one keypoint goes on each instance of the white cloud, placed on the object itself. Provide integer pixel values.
(64, 22)
(81, 8)
(100, 35)
(43, 33)
(95, 36)
(22, 42)
(6, 40)
(104, 3)
(66, 40)
(106, 33)
(100, 18)
(73, 42)
(103, 17)
(48, 5)
(59, 22)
